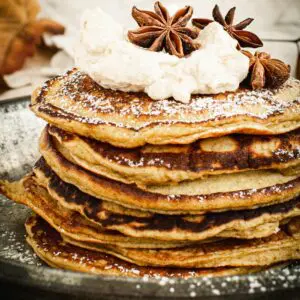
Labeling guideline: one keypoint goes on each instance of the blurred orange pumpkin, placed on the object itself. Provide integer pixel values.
(21, 32)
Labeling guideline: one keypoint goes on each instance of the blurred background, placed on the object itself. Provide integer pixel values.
(37, 37)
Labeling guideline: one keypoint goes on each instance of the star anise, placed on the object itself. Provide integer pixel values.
(158, 30)
(266, 72)
(244, 38)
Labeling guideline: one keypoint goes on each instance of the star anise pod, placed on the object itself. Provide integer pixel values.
(158, 30)
(266, 72)
(244, 38)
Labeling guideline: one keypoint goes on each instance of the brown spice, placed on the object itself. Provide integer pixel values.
(244, 38)
(158, 30)
(266, 72)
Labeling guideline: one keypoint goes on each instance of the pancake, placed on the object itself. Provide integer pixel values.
(279, 247)
(72, 224)
(255, 224)
(152, 164)
(215, 193)
(243, 223)
(76, 103)
(49, 246)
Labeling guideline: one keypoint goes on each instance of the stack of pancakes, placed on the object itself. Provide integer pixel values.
(132, 186)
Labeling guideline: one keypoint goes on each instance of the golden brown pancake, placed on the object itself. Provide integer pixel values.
(72, 224)
(215, 193)
(184, 230)
(247, 224)
(150, 164)
(279, 247)
(75, 103)
(49, 246)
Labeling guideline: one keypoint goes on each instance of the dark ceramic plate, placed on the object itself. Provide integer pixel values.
(19, 130)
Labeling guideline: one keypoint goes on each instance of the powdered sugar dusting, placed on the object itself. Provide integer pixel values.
(12, 234)
(283, 154)
(17, 251)
(136, 110)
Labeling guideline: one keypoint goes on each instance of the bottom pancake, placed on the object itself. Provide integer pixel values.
(277, 248)
(49, 246)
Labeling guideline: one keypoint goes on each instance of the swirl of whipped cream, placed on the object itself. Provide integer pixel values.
(105, 53)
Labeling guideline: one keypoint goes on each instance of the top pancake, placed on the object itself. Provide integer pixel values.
(76, 103)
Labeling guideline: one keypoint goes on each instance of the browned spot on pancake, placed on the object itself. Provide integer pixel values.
(64, 135)
(235, 152)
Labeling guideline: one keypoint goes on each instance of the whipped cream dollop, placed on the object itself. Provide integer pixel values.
(105, 53)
